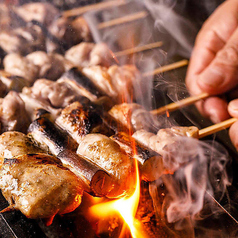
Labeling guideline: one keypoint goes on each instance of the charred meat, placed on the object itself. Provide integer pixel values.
(37, 184)
(13, 115)
(106, 153)
(96, 181)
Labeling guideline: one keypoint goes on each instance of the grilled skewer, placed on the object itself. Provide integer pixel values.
(96, 181)
(150, 162)
(33, 182)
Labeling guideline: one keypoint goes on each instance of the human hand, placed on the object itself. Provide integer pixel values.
(213, 67)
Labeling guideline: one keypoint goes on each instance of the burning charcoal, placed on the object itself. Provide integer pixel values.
(150, 163)
(39, 11)
(20, 66)
(89, 54)
(13, 82)
(51, 66)
(13, 115)
(96, 181)
(107, 154)
(78, 121)
(37, 184)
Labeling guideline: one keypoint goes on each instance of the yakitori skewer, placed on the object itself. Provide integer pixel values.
(138, 49)
(179, 104)
(124, 19)
(216, 127)
(165, 68)
(93, 7)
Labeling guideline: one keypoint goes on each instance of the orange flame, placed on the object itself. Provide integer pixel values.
(126, 207)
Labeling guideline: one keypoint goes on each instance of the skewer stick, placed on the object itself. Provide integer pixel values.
(121, 20)
(139, 49)
(216, 127)
(97, 6)
(165, 68)
(176, 105)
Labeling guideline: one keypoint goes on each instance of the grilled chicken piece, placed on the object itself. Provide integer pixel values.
(12, 82)
(22, 40)
(82, 30)
(5, 17)
(100, 77)
(49, 137)
(10, 42)
(165, 138)
(89, 54)
(107, 154)
(13, 144)
(78, 121)
(40, 11)
(82, 84)
(13, 115)
(51, 66)
(18, 65)
(36, 184)
(115, 81)
(48, 95)
(34, 36)
(79, 54)
(58, 94)
(132, 115)
(67, 33)
(123, 79)
(150, 162)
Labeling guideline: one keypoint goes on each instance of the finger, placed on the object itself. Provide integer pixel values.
(214, 108)
(212, 37)
(233, 108)
(233, 133)
(222, 73)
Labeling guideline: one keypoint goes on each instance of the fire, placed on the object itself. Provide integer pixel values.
(126, 207)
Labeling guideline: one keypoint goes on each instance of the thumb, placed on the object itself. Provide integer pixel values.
(221, 74)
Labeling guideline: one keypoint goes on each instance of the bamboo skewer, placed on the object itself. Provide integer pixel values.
(139, 49)
(216, 127)
(97, 6)
(121, 20)
(168, 67)
(176, 105)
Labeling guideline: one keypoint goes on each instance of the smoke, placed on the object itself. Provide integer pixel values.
(197, 186)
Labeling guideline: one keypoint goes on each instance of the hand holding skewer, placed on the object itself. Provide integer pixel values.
(213, 66)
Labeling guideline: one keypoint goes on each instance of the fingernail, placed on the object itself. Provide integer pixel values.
(233, 105)
(212, 77)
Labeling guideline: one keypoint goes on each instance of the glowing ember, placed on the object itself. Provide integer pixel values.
(126, 207)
